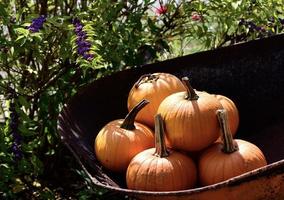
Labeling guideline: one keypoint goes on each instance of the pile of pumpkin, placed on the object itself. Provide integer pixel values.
(175, 137)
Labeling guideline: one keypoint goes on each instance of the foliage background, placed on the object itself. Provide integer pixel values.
(41, 70)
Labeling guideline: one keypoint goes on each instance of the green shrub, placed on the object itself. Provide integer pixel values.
(49, 49)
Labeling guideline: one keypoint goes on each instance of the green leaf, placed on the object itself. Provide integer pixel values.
(152, 25)
(25, 131)
(24, 166)
(50, 138)
(37, 36)
(20, 37)
(50, 152)
(3, 11)
(24, 102)
(37, 164)
(24, 116)
(22, 31)
(18, 186)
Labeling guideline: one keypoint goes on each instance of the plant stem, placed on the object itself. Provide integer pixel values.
(65, 68)
(191, 94)
(128, 122)
(228, 142)
(160, 145)
(146, 78)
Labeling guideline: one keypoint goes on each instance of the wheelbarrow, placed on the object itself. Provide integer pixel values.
(250, 73)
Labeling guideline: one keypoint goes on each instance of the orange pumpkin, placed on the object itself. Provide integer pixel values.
(160, 169)
(154, 87)
(222, 161)
(233, 113)
(232, 110)
(190, 120)
(120, 140)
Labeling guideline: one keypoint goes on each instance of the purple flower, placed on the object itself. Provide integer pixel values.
(78, 29)
(252, 26)
(88, 56)
(82, 50)
(37, 24)
(17, 138)
(16, 151)
(242, 22)
(259, 28)
(271, 19)
(83, 46)
(82, 35)
(83, 43)
(14, 122)
(75, 21)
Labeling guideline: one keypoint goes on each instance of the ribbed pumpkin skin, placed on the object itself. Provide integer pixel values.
(215, 166)
(190, 125)
(115, 147)
(155, 91)
(149, 172)
(233, 113)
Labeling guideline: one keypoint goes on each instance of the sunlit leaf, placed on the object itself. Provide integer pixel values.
(22, 31)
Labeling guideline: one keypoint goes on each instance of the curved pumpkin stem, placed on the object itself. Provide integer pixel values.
(228, 141)
(160, 145)
(128, 122)
(191, 94)
(145, 78)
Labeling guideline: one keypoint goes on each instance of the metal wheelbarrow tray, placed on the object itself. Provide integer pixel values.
(251, 74)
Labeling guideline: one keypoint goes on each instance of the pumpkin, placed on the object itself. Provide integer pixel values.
(120, 140)
(190, 120)
(233, 113)
(232, 110)
(231, 158)
(161, 169)
(154, 87)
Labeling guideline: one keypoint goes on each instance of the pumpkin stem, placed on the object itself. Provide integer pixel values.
(128, 122)
(228, 141)
(145, 78)
(191, 94)
(160, 145)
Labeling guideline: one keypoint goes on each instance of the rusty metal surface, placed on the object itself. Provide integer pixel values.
(251, 74)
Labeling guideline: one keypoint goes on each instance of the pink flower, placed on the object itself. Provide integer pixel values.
(195, 16)
(161, 10)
